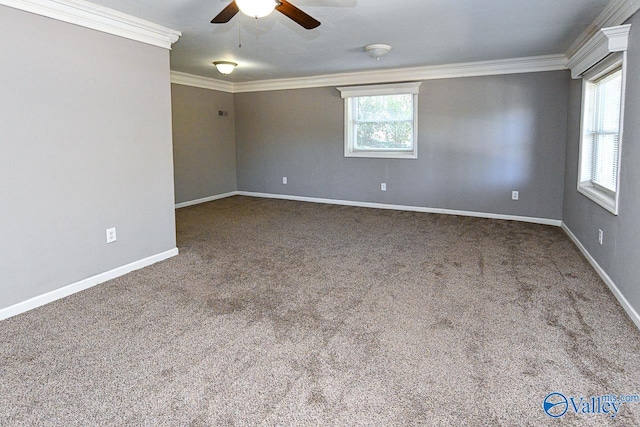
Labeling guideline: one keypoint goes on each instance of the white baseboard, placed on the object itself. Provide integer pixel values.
(544, 221)
(631, 312)
(205, 199)
(87, 283)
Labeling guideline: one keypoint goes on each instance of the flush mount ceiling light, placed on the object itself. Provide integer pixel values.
(377, 51)
(256, 8)
(225, 67)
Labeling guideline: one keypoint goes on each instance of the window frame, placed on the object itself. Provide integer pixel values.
(351, 93)
(602, 196)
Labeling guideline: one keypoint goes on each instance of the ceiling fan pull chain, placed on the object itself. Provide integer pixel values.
(239, 40)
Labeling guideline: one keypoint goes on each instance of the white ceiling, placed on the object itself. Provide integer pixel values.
(422, 33)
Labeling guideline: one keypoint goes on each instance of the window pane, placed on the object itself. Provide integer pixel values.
(384, 135)
(608, 95)
(605, 133)
(590, 108)
(384, 108)
(605, 161)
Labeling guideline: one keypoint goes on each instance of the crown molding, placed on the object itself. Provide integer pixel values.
(100, 18)
(615, 13)
(185, 79)
(469, 69)
(604, 42)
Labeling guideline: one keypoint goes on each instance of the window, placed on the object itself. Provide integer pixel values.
(602, 113)
(381, 120)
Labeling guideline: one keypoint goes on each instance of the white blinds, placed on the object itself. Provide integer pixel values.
(603, 135)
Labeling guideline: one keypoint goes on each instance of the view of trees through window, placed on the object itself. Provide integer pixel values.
(384, 122)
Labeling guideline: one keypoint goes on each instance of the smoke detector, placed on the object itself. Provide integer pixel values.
(377, 51)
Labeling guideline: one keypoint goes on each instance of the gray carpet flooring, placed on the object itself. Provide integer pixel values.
(289, 313)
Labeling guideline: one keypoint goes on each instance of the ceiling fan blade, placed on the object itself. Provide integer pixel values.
(297, 15)
(226, 14)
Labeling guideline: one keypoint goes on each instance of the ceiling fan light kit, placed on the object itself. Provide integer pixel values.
(225, 67)
(260, 8)
(378, 50)
(256, 8)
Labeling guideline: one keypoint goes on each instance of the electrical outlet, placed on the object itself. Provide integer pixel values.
(515, 195)
(284, 180)
(600, 236)
(383, 186)
(111, 235)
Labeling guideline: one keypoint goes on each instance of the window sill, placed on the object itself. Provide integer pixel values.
(383, 154)
(604, 199)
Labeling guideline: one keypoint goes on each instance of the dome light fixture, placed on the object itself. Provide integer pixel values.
(256, 8)
(377, 51)
(225, 67)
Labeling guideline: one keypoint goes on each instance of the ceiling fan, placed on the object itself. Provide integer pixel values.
(260, 8)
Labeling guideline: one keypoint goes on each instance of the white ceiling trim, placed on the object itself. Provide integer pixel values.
(89, 15)
(606, 41)
(185, 79)
(469, 69)
(616, 13)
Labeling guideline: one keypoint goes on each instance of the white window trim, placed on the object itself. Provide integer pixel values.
(349, 92)
(604, 42)
(603, 197)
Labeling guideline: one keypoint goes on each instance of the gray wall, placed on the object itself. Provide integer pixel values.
(204, 149)
(85, 145)
(479, 139)
(619, 255)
